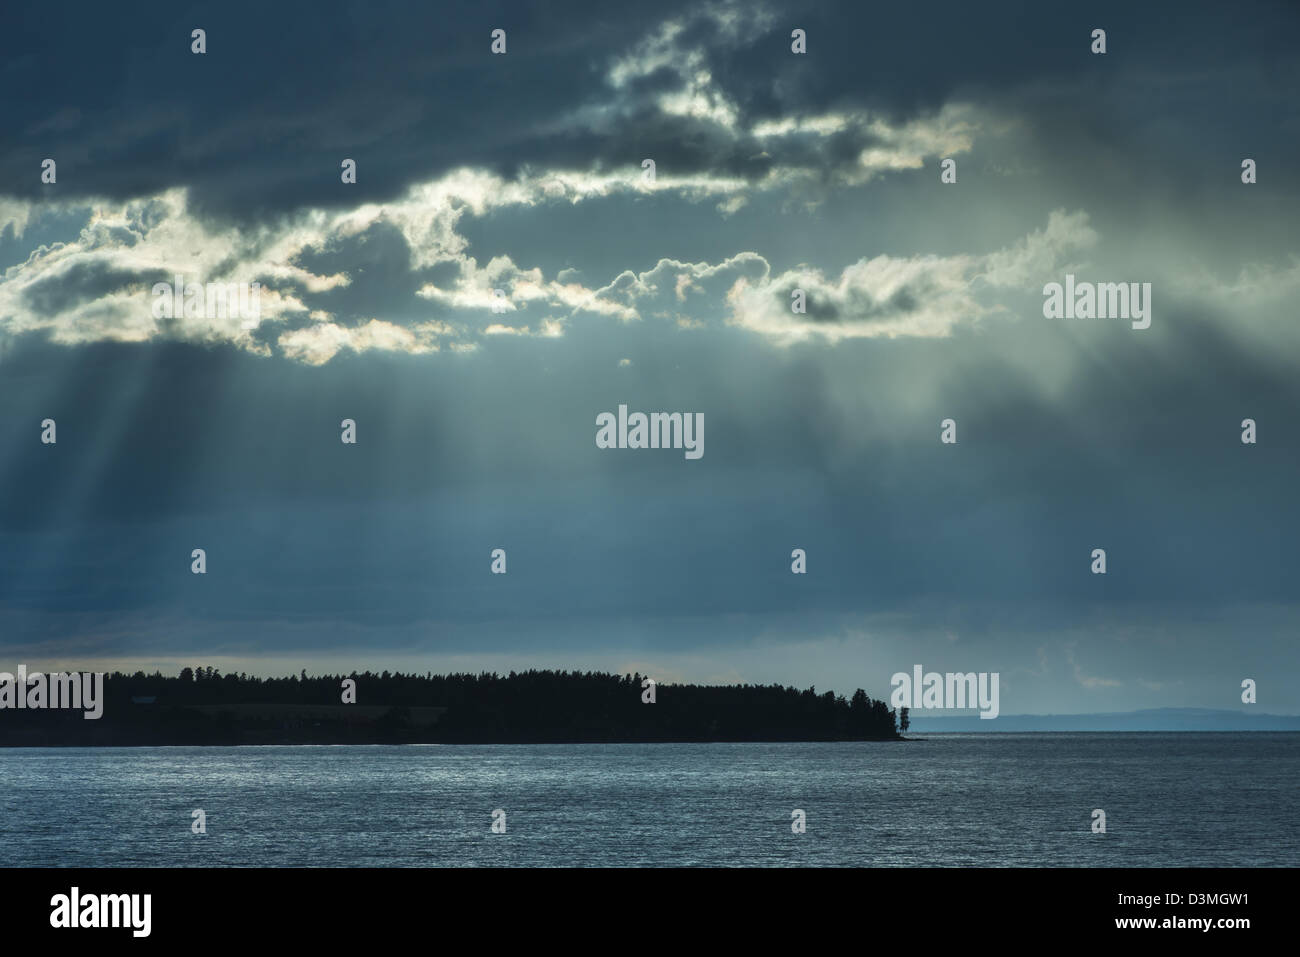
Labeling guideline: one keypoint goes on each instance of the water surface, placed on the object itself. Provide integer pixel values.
(1183, 799)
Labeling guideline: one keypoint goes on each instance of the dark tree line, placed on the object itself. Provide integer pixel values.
(485, 707)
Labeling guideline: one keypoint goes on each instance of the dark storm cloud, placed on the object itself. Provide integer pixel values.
(259, 124)
(679, 145)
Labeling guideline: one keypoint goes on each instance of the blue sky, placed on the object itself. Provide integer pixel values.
(774, 171)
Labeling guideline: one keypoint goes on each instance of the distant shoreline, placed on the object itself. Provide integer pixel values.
(202, 707)
(429, 744)
(448, 744)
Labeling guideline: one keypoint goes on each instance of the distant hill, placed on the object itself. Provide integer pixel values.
(1151, 719)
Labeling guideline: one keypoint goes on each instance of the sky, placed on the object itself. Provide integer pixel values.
(475, 411)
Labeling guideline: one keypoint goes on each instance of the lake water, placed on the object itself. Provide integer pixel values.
(990, 799)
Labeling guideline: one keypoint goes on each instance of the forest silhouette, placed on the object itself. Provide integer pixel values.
(203, 706)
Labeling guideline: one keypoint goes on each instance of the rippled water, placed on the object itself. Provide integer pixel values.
(1170, 799)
